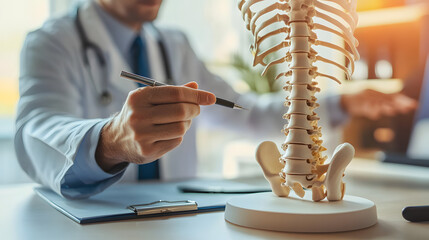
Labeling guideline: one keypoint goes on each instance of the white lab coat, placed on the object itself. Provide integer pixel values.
(59, 102)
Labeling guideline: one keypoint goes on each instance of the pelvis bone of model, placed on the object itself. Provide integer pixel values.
(289, 25)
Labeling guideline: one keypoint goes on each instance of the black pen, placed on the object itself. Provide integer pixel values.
(416, 213)
(152, 83)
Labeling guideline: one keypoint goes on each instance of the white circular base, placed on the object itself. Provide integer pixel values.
(294, 214)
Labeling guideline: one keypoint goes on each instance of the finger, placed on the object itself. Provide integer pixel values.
(163, 147)
(176, 112)
(171, 130)
(388, 109)
(373, 115)
(173, 94)
(378, 109)
(160, 132)
(193, 85)
(371, 111)
(404, 103)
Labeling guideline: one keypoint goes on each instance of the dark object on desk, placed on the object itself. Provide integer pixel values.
(398, 158)
(221, 186)
(416, 213)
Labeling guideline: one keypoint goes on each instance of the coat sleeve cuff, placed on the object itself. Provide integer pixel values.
(85, 168)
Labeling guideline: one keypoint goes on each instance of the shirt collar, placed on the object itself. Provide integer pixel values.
(122, 35)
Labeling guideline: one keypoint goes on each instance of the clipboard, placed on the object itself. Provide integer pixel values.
(132, 201)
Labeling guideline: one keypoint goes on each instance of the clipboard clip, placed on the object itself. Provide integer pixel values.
(163, 206)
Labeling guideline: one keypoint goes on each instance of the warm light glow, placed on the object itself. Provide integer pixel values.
(361, 70)
(382, 85)
(365, 5)
(394, 15)
(13, 35)
(383, 69)
(384, 135)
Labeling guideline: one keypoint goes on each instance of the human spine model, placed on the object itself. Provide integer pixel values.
(302, 164)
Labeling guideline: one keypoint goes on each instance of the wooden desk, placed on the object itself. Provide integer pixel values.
(23, 215)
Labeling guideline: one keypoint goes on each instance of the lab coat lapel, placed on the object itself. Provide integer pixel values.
(170, 46)
(115, 63)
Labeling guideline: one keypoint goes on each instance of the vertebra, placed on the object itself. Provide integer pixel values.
(291, 21)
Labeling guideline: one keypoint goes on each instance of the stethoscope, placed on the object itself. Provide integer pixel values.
(105, 97)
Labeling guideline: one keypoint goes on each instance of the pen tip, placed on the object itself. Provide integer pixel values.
(240, 107)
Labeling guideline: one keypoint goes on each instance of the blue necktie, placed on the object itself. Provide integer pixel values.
(141, 67)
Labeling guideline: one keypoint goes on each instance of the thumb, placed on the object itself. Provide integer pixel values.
(193, 85)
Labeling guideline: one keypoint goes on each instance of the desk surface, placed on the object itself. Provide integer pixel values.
(23, 215)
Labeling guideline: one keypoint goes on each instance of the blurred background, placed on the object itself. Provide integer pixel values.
(393, 36)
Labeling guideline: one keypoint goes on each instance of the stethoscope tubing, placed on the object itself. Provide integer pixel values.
(104, 95)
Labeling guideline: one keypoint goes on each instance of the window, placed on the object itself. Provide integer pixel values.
(18, 18)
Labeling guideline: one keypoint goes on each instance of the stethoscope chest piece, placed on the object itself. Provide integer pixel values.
(105, 98)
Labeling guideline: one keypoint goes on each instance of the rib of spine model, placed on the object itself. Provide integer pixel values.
(291, 21)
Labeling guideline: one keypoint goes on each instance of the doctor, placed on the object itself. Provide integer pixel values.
(81, 128)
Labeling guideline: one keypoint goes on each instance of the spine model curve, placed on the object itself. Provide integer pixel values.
(289, 24)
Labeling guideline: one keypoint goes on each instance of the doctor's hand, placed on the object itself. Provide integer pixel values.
(374, 105)
(151, 123)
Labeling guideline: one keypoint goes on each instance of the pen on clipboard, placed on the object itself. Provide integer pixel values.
(152, 83)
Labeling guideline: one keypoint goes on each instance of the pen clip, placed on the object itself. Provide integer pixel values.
(163, 206)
